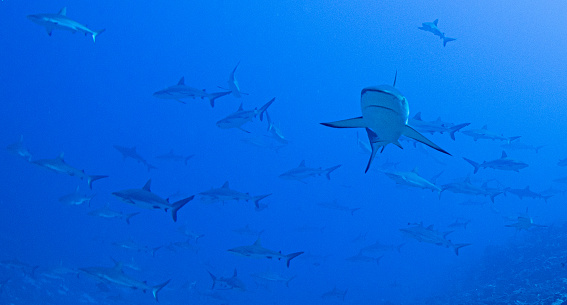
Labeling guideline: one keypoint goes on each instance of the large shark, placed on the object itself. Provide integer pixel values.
(504, 163)
(241, 116)
(130, 152)
(132, 245)
(144, 198)
(60, 21)
(435, 126)
(432, 27)
(181, 91)
(19, 149)
(385, 114)
(233, 84)
(224, 193)
(225, 283)
(58, 165)
(257, 251)
(301, 172)
(116, 276)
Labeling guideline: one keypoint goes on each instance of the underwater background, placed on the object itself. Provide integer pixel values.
(66, 94)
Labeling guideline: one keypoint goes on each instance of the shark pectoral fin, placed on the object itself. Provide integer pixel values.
(413, 134)
(349, 123)
(246, 131)
(375, 144)
(49, 30)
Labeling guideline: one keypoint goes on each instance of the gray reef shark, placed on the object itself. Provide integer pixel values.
(131, 245)
(257, 251)
(224, 193)
(58, 165)
(171, 156)
(432, 236)
(432, 27)
(241, 116)
(226, 283)
(504, 163)
(484, 133)
(516, 145)
(144, 198)
(182, 91)
(108, 213)
(60, 21)
(335, 294)
(301, 172)
(524, 223)
(117, 276)
(360, 257)
(526, 192)
(275, 132)
(130, 152)
(76, 198)
(334, 205)
(20, 150)
(413, 179)
(466, 187)
(273, 277)
(233, 84)
(385, 114)
(435, 126)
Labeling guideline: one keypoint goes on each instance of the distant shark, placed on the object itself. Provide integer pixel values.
(130, 152)
(225, 283)
(301, 172)
(413, 179)
(224, 193)
(58, 165)
(257, 251)
(435, 126)
(385, 114)
(76, 198)
(241, 116)
(181, 91)
(60, 21)
(484, 133)
(432, 27)
(233, 84)
(504, 163)
(174, 157)
(20, 150)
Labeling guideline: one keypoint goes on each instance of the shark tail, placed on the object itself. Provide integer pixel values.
(291, 256)
(257, 199)
(447, 39)
(264, 108)
(330, 170)
(354, 210)
(287, 282)
(130, 216)
(94, 178)
(474, 164)
(459, 246)
(95, 34)
(456, 128)
(213, 96)
(187, 158)
(214, 279)
(178, 205)
(157, 288)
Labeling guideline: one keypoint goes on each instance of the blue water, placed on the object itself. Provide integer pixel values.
(65, 93)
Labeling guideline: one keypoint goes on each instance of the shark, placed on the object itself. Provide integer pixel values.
(241, 116)
(385, 114)
(60, 21)
(144, 198)
(379, 247)
(301, 172)
(20, 150)
(466, 187)
(191, 235)
(335, 293)
(246, 230)
(108, 213)
(59, 165)
(432, 236)
(256, 250)
(526, 192)
(435, 126)
(432, 27)
(224, 193)
(360, 257)
(227, 283)
(130, 152)
(334, 205)
(524, 223)
(171, 156)
(273, 277)
(131, 245)
(516, 145)
(233, 84)
(182, 91)
(76, 198)
(484, 133)
(459, 224)
(413, 179)
(504, 163)
(116, 276)
(275, 132)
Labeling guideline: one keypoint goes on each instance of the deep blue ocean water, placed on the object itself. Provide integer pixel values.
(64, 93)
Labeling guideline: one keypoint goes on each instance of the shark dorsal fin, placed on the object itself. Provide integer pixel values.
(504, 155)
(485, 127)
(302, 164)
(234, 275)
(61, 156)
(181, 81)
(417, 116)
(63, 11)
(147, 185)
(225, 185)
(240, 108)
(395, 78)
(414, 170)
(258, 242)
(435, 22)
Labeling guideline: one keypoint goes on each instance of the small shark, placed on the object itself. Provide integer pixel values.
(459, 224)
(432, 236)
(224, 193)
(334, 205)
(385, 114)
(335, 294)
(58, 165)
(301, 172)
(144, 198)
(516, 145)
(20, 150)
(275, 132)
(171, 156)
(524, 223)
(435, 126)
(257, 251)
(504, 163)
(233, 84)
(273, 277)
(16, 264)
(466, 187)
(131, 245)
(241, 116)
(106, 212)
(483, 133)
(190, 234)
(76, 198)
(246, 230)
(360, 257)
(116, 276)
(526, 192)
(60, 21)
(181, 91)
(379, 247)
(130, 152)
(226, 283)
(432, 27)
(413, 179)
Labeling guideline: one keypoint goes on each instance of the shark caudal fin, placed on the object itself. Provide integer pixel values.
(474, 164)
(349, 123)
(94, 178)
(214, 279)
(413, 134)
(456, 128)
(130, 216)
(178, 205)
(264, 108)
(157, 288)
(459, 246)
(330, 170)
(447, 39)
(257, 199)
(187, 158)
(95, 34)
(291, 256)
(213, 96)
